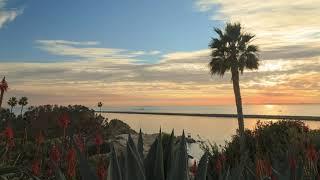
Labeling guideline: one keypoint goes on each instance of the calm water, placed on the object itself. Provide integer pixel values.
(213, 129)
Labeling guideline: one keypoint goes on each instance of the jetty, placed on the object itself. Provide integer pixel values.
(286, 117)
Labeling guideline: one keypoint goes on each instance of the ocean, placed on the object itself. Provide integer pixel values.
(216, 130)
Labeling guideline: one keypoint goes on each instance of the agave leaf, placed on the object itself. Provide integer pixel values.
(149, 162)
(168, 154)
(58, 173)
(140, 145)
(179, 169)
(281, 169)
(202, 167)
(159, 166)
(122, 163)
(9, 170)
(133, 164)
(154, 161)
(114, 168)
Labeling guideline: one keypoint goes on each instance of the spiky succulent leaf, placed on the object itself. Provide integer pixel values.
(140, 145)
(179, 169)
(168, 154)
(114, 168)
(154, 161)
(122, 163)
(149, 162)
(134, 166)
(202, 167)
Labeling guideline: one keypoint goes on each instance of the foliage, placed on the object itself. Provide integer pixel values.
(281, 150)
(276, 150)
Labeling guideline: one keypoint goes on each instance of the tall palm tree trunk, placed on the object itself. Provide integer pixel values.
(1, 98)
(237, 94)
(21, 110)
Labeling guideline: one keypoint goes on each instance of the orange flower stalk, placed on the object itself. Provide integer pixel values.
(311, 153)
(55, 155)
(101, 170)
(64, 122)
(263, 168)
(35, 168)
(71, 159)
(39, 138)
(80, 142)
(8, 133)
(98, 141)
(194, 168)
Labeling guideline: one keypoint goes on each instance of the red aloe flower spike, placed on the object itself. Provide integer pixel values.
(194, 168)
(80, 142)
(259, 168)
(64, 122)
(101, 171)
(39, 138)
(312, 154)
(98, 141)
(292, 163)
(71, 159)
(55, 155)
(36, 167)
(218, 166)
(8, 133)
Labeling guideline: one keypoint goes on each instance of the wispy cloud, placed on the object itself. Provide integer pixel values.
(7, 15)
(176, 78)
(88, 50)
(281, 24)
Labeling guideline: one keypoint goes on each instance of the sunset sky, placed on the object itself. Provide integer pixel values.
(142, 53)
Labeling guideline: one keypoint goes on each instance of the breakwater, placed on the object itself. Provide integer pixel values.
(287, 117)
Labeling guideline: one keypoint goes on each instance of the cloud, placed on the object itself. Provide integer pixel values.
(284, 29)
(176, 78)
(64, 42)
(88, 50)
(7, 15)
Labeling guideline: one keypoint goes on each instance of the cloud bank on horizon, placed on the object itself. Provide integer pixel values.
(288, 34)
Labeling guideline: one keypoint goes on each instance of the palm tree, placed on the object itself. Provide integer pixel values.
(12, 102)
(23, 102)
(100, 106)
(3, 88)
(232, 51)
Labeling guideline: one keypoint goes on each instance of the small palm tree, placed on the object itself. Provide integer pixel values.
(23, 102)
(232, 51)
(12, 102)
(3, 88)
(100, 106)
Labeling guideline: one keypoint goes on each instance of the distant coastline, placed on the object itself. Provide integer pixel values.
(287, 117)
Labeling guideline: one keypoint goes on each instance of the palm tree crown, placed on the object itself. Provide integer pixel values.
(232, 50)
(23, 102)
(12, 102)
